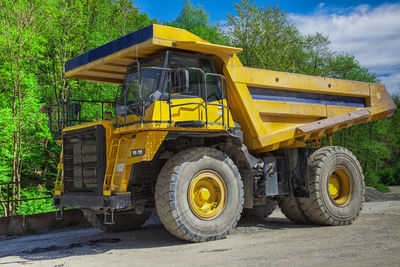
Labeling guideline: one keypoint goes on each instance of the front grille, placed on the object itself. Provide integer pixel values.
(84, 160)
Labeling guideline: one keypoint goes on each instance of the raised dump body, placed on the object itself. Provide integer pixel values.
(201, 139)
(279, 109)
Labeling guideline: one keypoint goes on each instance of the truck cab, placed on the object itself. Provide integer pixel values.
(173, 78)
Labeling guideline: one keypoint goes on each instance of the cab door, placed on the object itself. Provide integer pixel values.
(201, 102)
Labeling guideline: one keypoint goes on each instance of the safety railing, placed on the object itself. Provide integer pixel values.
(224, 92)
(69, 112)
(203, 93)
(8, 202)
(221, 84)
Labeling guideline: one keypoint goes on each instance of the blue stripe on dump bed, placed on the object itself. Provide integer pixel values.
(303, 97)
(110, 48)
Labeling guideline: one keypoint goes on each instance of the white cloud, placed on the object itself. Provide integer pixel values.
(392, 82)
(372, 35)
(321, 5)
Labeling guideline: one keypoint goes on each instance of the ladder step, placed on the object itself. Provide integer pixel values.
(106, 221)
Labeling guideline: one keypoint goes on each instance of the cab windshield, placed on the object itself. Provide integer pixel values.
(150, 79)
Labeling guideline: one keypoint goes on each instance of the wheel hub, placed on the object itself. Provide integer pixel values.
(207, 194)
(334, 186)
(204, 194)
(340, 186)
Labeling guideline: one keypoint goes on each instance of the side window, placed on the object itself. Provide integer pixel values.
(197, 82)
(213, 86)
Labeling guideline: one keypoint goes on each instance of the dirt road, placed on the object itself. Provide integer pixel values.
(374, 239)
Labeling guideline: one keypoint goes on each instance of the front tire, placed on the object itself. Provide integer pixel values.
(336, 187)
(199, 195)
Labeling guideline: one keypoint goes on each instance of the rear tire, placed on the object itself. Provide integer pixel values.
(260, 212)
(336, 187)
(123, 221)
(181, 204)
(290, 206)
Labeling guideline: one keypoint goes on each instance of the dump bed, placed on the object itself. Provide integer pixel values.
(274, 109)
(278, 109)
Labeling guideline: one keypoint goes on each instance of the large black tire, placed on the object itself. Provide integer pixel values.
(290, 206)
(123, 221)
(260, 212)
(172, 195)
(337, 168)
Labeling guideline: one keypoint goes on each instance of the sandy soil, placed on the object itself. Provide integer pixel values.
(374, 239)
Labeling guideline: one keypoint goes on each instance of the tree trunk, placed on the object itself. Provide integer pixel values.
(17, 22)
(19, 162)
(3, 205)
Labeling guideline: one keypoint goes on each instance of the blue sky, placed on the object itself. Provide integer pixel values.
(219, 8)
(367, 29)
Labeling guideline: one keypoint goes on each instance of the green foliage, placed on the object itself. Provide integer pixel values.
(196, 20)
(344, 66)
(382, 188)
(21, 52)
(6, 154)
(268, 38)
(37, 37)
(35, 206)
(391, 175)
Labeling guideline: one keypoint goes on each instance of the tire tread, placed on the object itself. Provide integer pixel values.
(313, 207)
(164, 194)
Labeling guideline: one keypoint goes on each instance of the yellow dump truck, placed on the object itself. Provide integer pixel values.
(203, 140)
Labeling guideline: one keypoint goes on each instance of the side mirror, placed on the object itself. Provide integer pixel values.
(180, 81)
(155, 96)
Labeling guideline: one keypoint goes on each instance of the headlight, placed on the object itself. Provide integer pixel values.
(137, 152)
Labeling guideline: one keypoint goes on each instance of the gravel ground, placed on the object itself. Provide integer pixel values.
(373, 195)
(374, 239)
(394, 190)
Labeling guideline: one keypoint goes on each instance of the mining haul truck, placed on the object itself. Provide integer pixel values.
(203, 140)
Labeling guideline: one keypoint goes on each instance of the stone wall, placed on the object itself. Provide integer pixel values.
(21, 224)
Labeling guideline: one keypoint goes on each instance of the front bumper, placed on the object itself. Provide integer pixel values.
(93, 202)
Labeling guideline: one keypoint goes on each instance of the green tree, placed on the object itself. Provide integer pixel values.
(344, 66)
(74, 27)
(390, 171)
(268, 38)
(196, 20)
(21, 46)
(316, 54)
(37, 37)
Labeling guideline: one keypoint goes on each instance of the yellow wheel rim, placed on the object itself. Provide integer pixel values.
(207, 195)
(340, 186)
